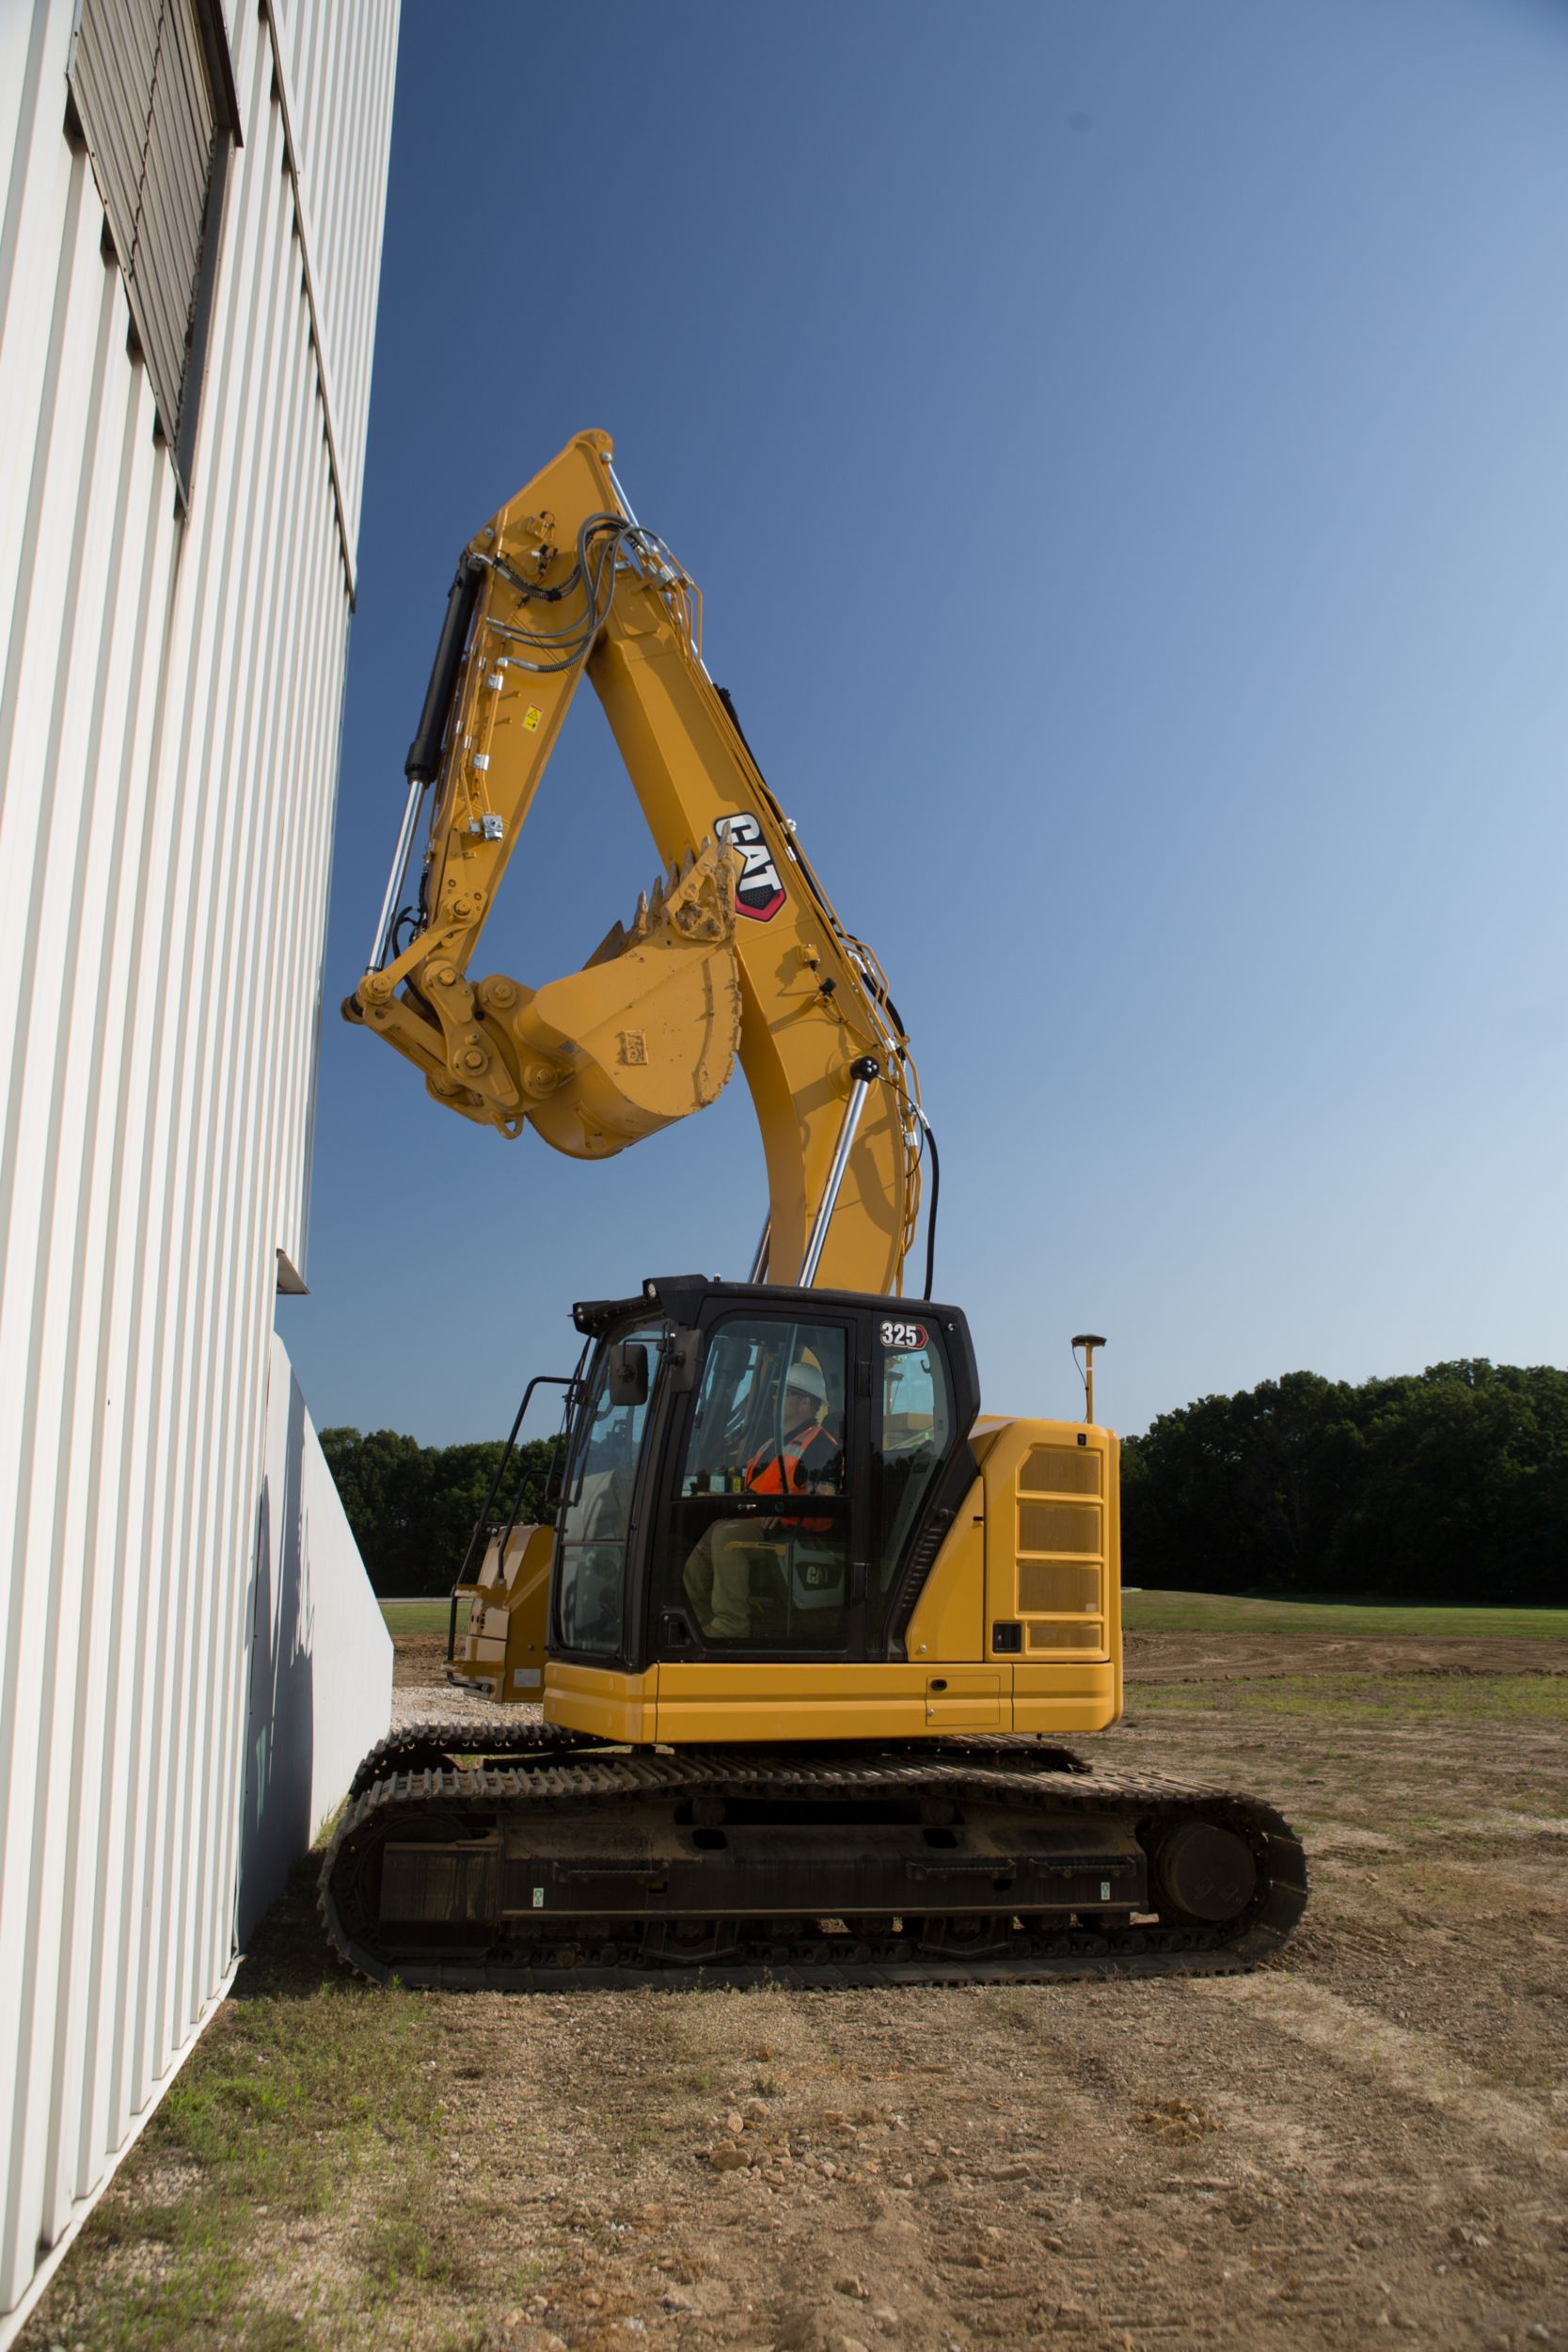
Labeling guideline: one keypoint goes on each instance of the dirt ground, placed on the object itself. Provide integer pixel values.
(417, 1663)
(1245, 1657)
(1369, 2138)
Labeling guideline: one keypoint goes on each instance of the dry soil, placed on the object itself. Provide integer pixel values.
(1369, 2138)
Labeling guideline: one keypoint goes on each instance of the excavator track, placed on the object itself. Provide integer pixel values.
(554, 1865)
(437, 1741)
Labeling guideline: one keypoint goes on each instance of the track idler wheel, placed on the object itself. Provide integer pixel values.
(1205, 1871)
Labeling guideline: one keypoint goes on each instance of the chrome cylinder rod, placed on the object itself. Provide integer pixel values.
(759, 1264)
(395, 878)
(862, 1072)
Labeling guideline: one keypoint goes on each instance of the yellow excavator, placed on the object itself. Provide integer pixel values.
(780, 1690)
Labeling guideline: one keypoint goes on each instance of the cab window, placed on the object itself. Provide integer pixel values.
(910, 1436)
(757, 1553)
(595, 1515)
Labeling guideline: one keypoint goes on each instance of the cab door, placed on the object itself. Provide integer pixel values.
(762, 1552)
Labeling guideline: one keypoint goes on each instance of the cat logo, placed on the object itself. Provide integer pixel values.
(759, 893)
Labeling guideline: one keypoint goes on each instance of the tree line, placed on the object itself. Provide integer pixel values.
(1449, 1484)
(413, 1507)
(1446, 1485)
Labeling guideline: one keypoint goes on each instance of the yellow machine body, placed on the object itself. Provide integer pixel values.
(1037, 1544)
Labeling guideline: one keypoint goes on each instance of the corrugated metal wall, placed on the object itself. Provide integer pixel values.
(170, 703)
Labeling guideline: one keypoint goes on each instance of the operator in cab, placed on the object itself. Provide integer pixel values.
(804, 1458)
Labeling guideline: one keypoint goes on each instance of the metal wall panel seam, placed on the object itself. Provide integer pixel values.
(358, 264)
(26, 720)
(312, 652)
(197, 649)
(328, 706)
(306, 939)
(49, 1581)
(275, 978)
(217, 533)
(30, 388)
(222, 1312)
(256, 1227)
(174, 1085)
(240, 1212)
(279, 756)
(134, 1125)
(300, 945)
(213, 620)
(168, 877)
(143, 1236)
(138, 1419)
(101, 2125)
(95, 653)
(27, 36)
(316, 655)
(257, 1149)
(126, 651)
(23, 34)
(235, 1350)
(257, 1224)
(249, 1186)
(347, 515)
(335, 81)
(234, 1357)
(26, 1606)
(375, 149)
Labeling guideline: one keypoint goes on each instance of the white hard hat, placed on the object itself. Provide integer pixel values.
(804, 1375)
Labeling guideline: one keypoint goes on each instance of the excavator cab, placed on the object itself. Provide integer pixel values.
(758, 1473)
(746, 1474)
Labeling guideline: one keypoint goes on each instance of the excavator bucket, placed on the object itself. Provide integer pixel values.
(648, 1030)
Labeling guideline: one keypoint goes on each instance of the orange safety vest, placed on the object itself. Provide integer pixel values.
(775, 1470)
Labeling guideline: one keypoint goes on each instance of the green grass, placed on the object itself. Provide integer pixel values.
(1369, 1699)
(415, 1616)
(1219, 1613)
(1223, 1613)
(306, 2103)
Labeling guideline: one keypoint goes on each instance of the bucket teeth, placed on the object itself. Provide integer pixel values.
(692, 898)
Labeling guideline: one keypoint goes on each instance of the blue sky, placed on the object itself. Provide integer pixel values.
(1124, 452)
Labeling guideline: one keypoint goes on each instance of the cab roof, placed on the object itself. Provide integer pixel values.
(681, 1296)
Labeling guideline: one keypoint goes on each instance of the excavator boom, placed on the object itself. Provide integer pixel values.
(736, 951)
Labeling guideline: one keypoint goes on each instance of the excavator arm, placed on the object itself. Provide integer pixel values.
(735, 952)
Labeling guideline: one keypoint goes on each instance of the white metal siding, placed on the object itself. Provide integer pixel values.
(319, 1651)
(169, 706)
(337, 70)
